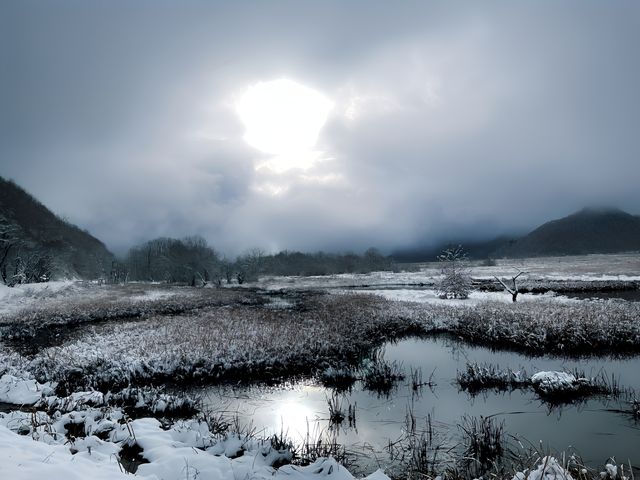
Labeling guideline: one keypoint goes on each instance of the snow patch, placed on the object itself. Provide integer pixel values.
(22, 458)
(187, 450)
(21, 391)
(153, 295)
(549, 469)
(556, 382)
(21, 296)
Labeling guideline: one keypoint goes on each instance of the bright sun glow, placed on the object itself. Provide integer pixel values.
(283, 118)
(294, 418)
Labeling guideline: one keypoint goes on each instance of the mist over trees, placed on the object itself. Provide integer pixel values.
(188, 260)
(321, 263)
(251, 265)
(192, 261)
(37, 245)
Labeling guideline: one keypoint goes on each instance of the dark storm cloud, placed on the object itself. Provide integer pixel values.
(449, 118)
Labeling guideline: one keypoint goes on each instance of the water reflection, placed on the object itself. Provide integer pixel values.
(596, 429)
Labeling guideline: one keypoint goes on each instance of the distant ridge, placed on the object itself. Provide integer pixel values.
(74, 252)
(590, 230)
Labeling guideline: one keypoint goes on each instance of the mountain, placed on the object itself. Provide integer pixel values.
(591, 230)
(34, 232)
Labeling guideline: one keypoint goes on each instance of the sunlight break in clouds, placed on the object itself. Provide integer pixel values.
(283, 118)
(449, 121)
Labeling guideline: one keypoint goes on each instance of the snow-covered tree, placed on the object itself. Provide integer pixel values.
(31, 267)
(456, 282)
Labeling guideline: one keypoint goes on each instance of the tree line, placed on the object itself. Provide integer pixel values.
(192, 261)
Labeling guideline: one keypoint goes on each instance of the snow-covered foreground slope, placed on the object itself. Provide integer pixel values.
(185, 451)
(97, 442)
(24, 458)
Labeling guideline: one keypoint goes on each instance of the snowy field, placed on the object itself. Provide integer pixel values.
(429, 295)
(57, 294)
(587, 268)
(13, 299)
(618, 267)
(86, 354)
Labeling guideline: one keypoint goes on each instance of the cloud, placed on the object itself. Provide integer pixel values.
(446, 120)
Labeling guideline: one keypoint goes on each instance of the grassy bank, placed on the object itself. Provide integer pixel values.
(220, 335)
(237, 342)
(93, 304)
(226, 335)
(576, 328)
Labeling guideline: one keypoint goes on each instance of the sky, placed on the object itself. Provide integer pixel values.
(320, 125)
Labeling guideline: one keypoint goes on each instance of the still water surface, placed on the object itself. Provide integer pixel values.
(595, 429)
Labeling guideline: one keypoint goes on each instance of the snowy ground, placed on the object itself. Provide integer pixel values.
(185, 451)
(588, 268)
(13, 299)
(55, 295)
(475, 297)
(618, 267)
(95, 441)
(178, 332)
(624, 266)
(243, 334)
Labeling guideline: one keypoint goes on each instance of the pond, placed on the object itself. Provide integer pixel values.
(595, 429)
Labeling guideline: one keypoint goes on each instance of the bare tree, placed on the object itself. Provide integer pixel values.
(373, 260)
(20, 262)
(189, 260)
(512, 290)
(250, 265)
(31, 267)
(226, 268)
(119, 272)
(9, 242)
(457, 281)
